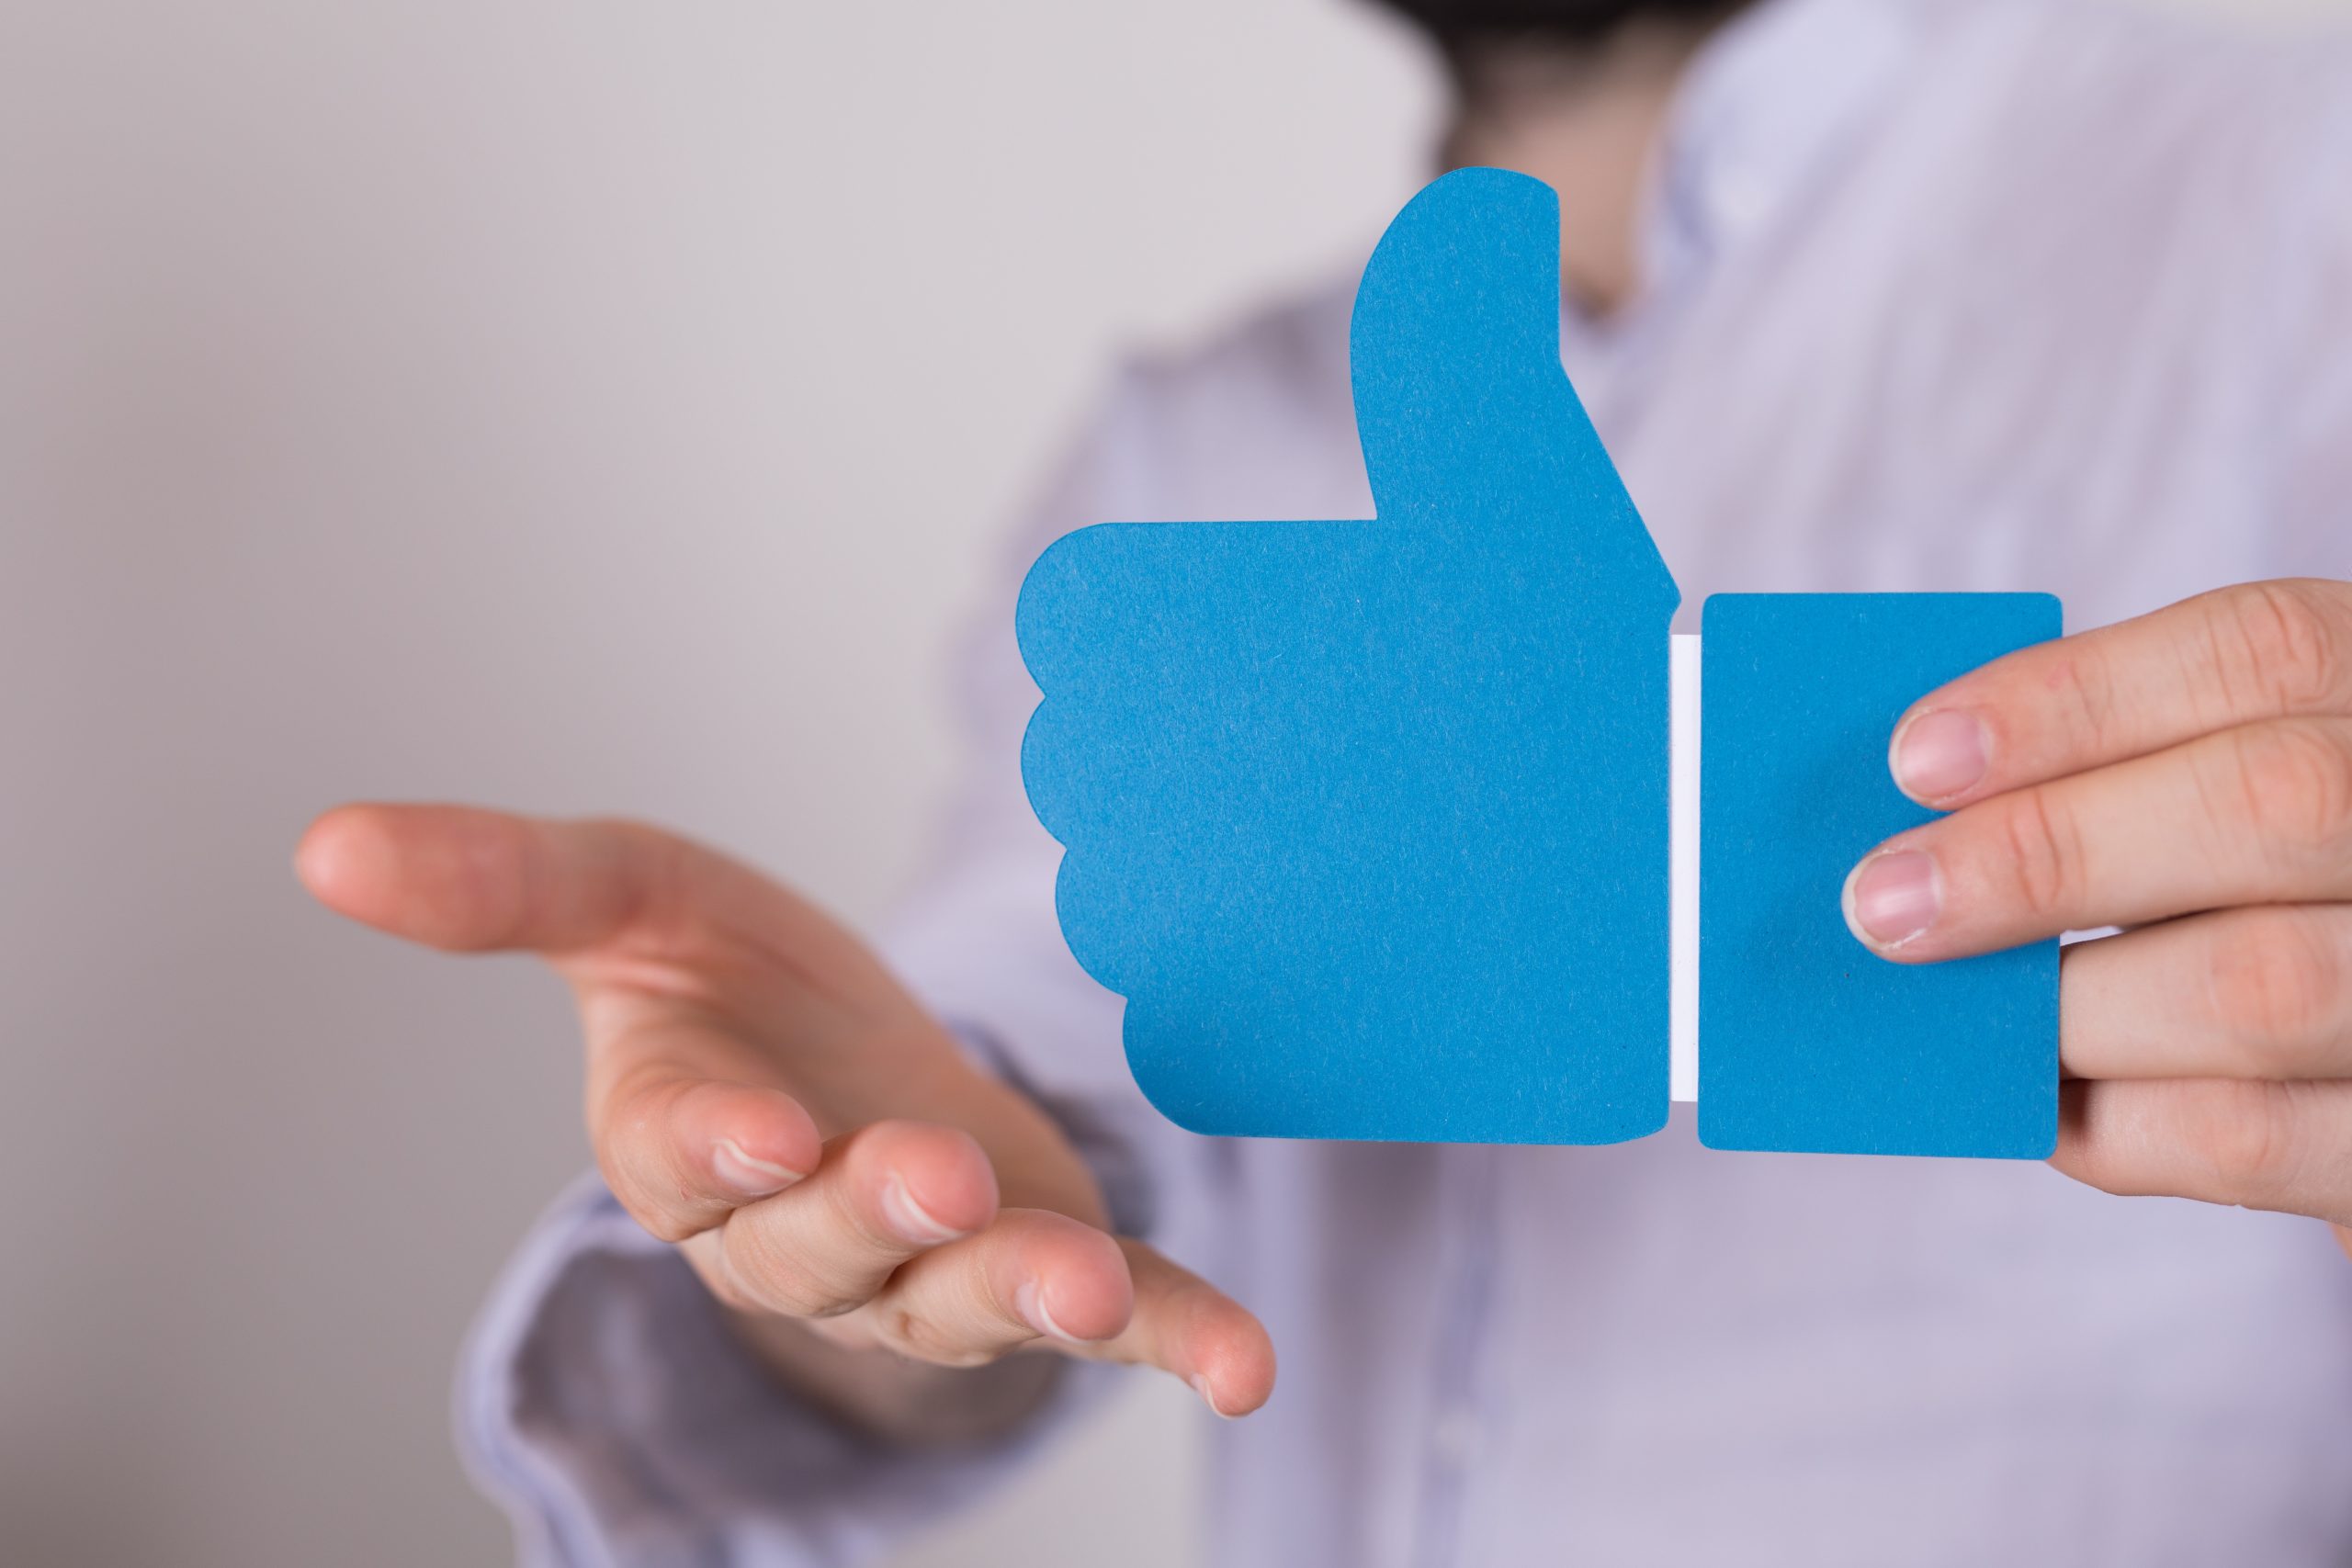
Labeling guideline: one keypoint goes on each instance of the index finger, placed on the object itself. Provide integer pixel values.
(2236, 656)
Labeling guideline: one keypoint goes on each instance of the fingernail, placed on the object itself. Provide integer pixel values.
(751, 1178)
(1939, 754)
(1201, 1387)
(910, 1219)
(1029, 1301)
(1892, 898)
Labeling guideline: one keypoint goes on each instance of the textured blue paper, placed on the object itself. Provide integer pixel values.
(1367, 821)
(1806, 1040)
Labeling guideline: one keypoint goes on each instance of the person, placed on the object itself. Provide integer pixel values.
(1861, 295)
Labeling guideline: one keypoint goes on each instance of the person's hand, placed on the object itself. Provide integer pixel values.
(2187, 775)
(762, 1092)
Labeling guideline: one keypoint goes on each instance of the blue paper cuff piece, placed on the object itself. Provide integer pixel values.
(1368, 820)
(1806, 1040)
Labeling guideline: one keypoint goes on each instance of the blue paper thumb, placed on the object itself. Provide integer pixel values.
(1467, 419)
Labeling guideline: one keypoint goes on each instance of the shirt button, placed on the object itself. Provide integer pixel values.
(1454, 1438)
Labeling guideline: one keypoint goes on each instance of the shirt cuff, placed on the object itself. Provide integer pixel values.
(606, 1404)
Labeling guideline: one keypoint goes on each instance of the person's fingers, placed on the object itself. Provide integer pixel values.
(2264, 1145)
(1033, 1275)
(1188, 1327)
(468, 880)
(879, 1196)
(2261, 650)
(1029, 1277)
(2255, 993)
(1037, 1277)
(681, 1150)
(2258, 814)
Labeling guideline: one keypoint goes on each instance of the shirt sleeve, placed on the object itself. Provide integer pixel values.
(603, 1401)
(605, 1405)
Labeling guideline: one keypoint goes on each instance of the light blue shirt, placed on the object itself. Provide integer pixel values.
(1940, 294)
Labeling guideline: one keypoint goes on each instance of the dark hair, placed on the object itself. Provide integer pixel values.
(1454, 22)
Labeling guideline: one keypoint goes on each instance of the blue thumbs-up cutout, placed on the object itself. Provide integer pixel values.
(1368, 820)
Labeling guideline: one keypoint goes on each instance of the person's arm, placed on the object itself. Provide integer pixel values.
(885, 1222)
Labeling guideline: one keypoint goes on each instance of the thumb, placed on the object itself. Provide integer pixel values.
(468, 880)
(1467, 421)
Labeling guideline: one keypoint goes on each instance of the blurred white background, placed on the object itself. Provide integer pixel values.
(575, 407)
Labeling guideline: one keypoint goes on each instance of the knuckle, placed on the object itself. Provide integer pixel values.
(780, 1278)
(2249, 1135)
(2295, 776)
(655, 908)
(627, 1127)
(2088, 681)
(2276, 982)
(2292, 636)
(2045, 854)
(628, 1111)
(923, 1339)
